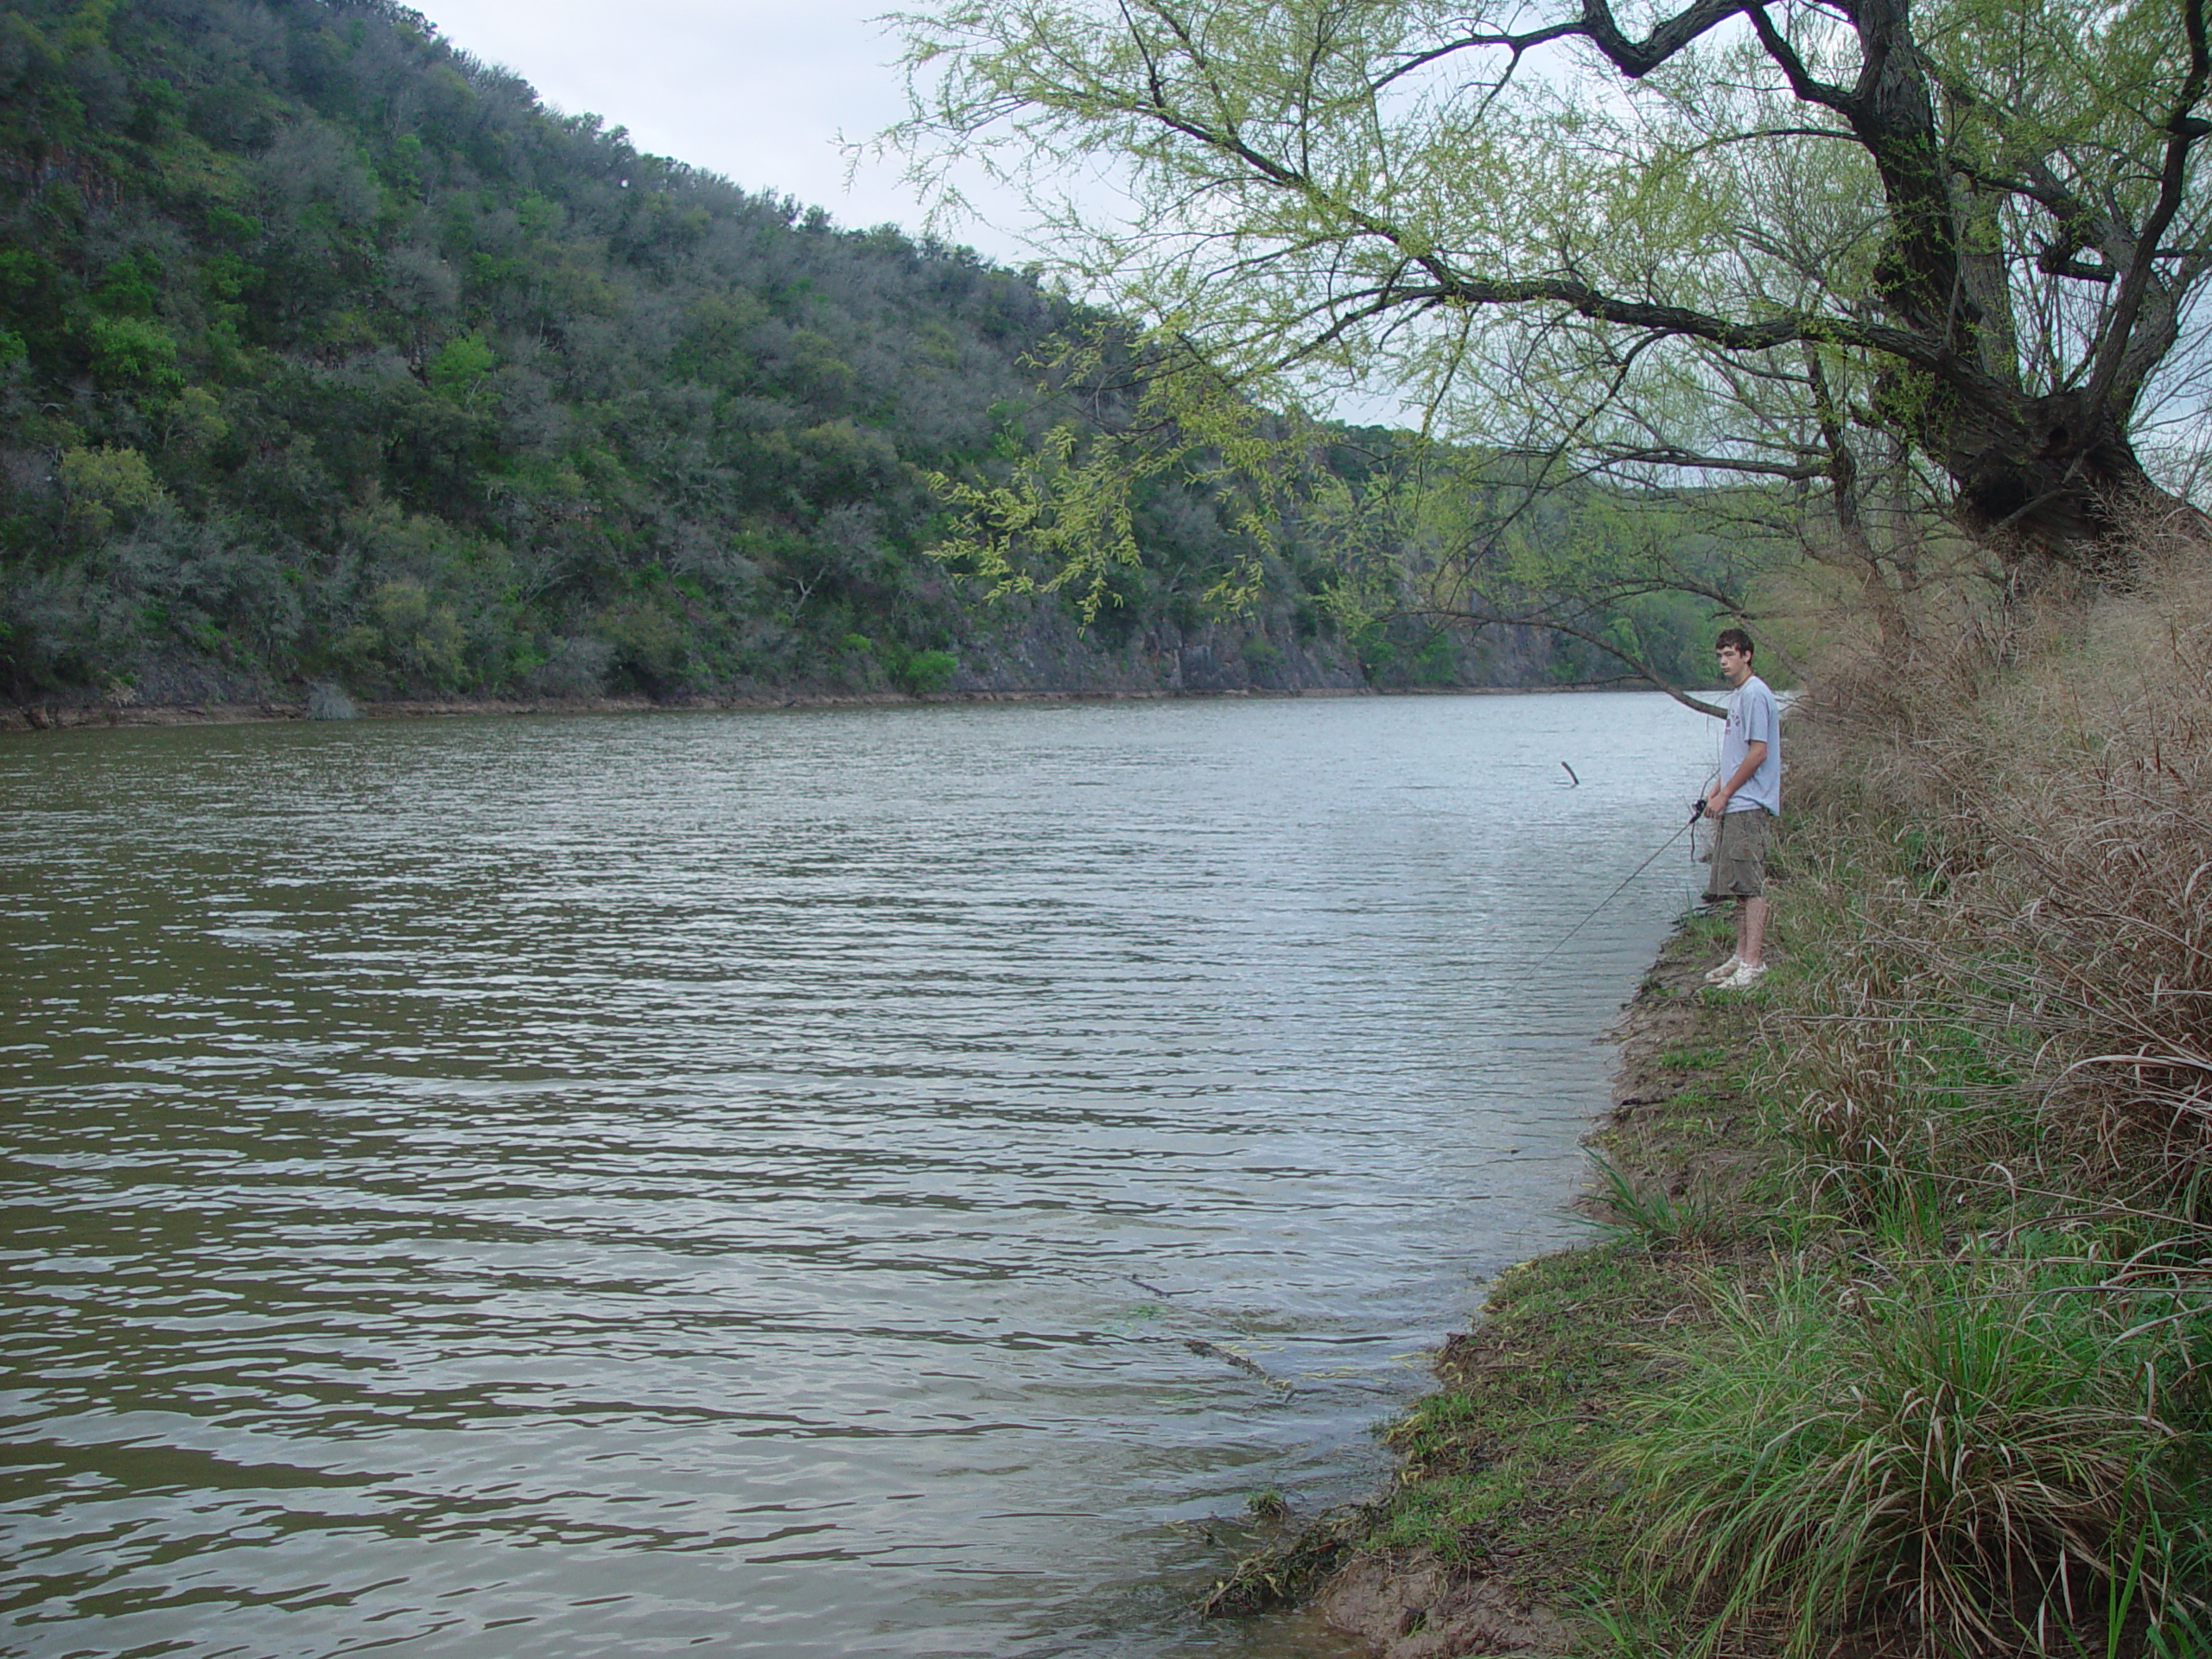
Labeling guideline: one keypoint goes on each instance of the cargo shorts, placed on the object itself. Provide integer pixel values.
(1739, 854)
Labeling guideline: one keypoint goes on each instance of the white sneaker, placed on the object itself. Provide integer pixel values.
(1726, 970)
(1744, 977)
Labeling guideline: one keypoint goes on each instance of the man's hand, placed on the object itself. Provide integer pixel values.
(1716, 803)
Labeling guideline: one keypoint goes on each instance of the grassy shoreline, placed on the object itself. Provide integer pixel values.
(1898, 1337)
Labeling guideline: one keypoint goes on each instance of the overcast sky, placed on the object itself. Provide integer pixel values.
(754, 91)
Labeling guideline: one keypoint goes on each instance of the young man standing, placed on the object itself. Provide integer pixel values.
(1743, 804)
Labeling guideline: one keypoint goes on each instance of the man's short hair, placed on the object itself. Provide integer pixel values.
(1737, 638)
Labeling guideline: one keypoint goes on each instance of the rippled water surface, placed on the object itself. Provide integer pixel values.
(618, 1185)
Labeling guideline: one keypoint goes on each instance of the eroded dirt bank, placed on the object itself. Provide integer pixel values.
(63, 716)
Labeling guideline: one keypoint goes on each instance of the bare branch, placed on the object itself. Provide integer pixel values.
(2184, 129)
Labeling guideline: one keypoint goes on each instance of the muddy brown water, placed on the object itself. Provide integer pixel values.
(857, 1181)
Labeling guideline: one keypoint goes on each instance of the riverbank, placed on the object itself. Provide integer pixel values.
(1500, 1518)
(1496, 1521)
(1897, 1338)
(63, 716)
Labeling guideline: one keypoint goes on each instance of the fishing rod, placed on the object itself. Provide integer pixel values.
(1697, 812)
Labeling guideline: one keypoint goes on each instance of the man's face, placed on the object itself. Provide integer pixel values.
(1735, 666)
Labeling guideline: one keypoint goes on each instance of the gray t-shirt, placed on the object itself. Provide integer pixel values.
(1752, 718)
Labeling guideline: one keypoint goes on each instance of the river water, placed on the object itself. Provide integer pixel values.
(859, 1181)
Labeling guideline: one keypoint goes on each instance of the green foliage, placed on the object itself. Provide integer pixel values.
(457, 367)
(1965, 1410)
(106, 486)
(355, 303)
(1076, 516)
(409, 638)
(1440, 564)
(1647, 244)
(131, 354)
(651, 648)
(1644, 1210)
(1268, 1504)
(925, 673)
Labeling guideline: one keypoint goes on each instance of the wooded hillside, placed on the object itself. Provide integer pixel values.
(328, 353)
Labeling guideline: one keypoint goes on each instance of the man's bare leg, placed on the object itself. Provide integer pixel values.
(1750, 930)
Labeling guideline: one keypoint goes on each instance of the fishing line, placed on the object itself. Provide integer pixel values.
(1697, 812)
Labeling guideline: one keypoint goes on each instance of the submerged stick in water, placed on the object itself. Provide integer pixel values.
(1231, 1356)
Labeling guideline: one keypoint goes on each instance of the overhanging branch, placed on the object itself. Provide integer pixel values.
(1641, 670)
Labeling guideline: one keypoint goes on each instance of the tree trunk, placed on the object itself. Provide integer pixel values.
(2050, 478)
(2041, 477)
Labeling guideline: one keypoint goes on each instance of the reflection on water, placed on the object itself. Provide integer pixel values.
(785, 1184)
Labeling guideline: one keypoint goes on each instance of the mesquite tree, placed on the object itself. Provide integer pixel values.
(1780, 241)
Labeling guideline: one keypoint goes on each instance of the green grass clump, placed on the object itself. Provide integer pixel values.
(1268, 1504)
(1974, 1453)
(1645, 1210)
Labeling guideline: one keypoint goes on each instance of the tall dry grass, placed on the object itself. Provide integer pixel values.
(2015, 812)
